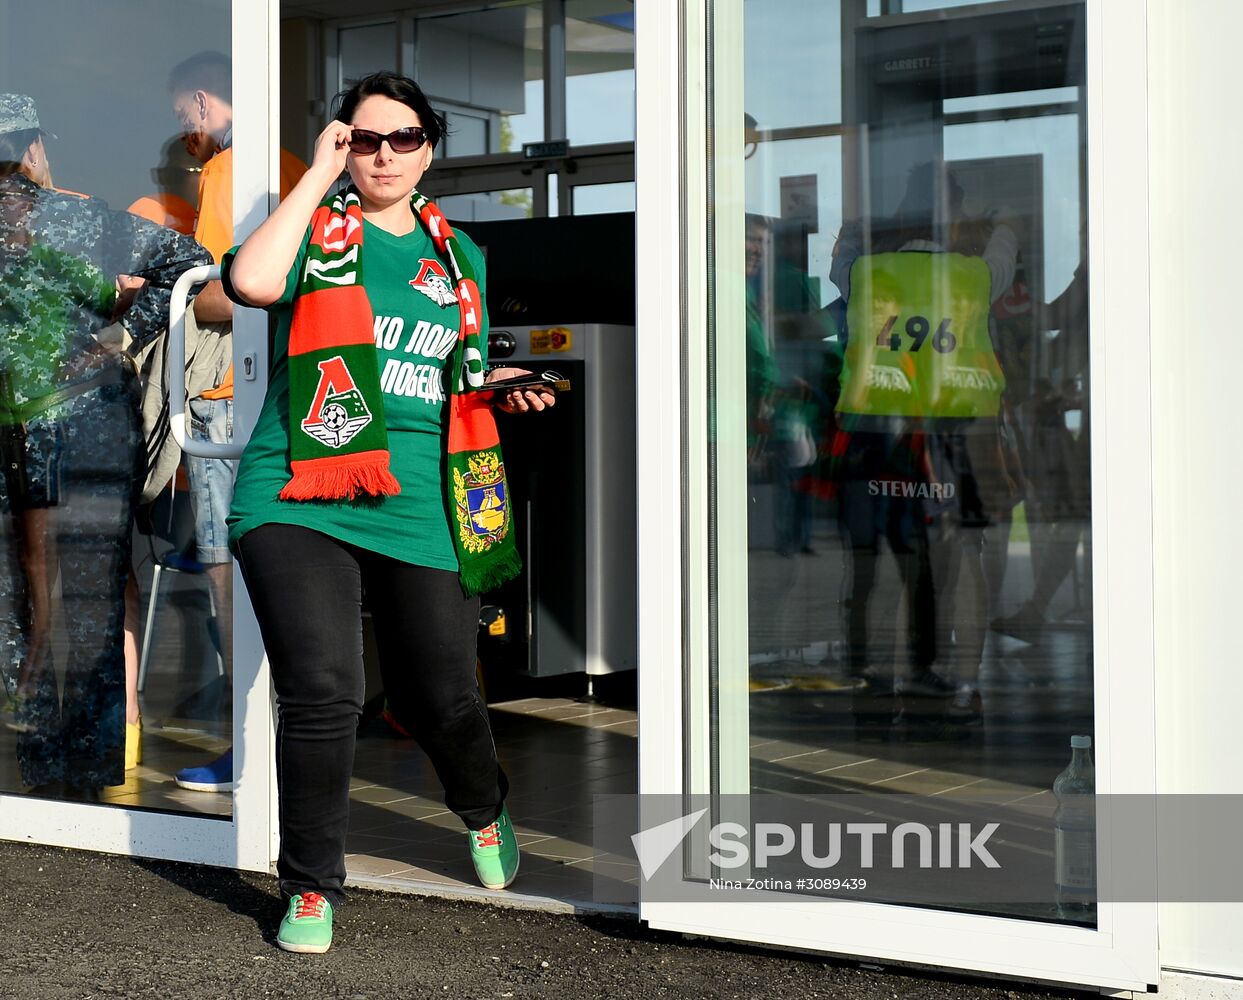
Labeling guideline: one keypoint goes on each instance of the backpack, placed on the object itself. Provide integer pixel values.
(209, 351)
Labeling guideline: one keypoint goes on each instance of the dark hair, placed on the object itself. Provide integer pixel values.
(210, 72)
(13, 146)
(399, 88)
(760, 222)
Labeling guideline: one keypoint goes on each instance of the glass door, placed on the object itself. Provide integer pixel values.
(898, 643)
(136, 714)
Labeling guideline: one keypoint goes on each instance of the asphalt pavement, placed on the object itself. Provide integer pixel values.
(82, 926)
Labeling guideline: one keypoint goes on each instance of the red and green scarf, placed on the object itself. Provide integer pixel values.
(338, 438)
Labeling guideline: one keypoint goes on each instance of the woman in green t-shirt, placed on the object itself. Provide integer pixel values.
(342, 491)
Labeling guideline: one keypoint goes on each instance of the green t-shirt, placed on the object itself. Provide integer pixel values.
(416, 328)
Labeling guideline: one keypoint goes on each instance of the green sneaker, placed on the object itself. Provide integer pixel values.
(307, 927)
(494, 851)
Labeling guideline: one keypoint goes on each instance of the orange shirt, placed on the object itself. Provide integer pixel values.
(214, 226)
(166, 210)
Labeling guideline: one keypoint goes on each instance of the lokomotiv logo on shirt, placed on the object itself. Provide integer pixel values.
(433, 281)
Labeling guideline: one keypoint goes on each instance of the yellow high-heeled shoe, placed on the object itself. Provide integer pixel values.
(133, 744)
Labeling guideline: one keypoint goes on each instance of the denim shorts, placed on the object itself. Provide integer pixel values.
(211, 479)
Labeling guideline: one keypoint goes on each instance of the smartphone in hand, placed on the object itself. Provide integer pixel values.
(550, 380)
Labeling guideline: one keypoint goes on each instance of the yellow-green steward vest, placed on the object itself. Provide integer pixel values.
(918, 338)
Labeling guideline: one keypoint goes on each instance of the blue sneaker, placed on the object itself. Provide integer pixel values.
(214, 777)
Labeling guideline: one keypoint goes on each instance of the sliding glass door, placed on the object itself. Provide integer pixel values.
(907, 381)
(118, 607)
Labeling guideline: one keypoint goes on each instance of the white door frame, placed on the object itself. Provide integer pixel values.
(672, 65)
(246, 840)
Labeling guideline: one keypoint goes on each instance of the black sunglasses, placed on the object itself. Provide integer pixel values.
(404, 140)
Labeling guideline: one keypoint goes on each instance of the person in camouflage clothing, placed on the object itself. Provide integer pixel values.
(72, 448)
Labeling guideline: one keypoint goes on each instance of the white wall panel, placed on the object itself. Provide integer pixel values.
(1196, 216)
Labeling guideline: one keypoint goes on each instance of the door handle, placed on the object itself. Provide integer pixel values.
(177, 394)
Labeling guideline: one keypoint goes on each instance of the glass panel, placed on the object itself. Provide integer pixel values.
(528, 126)
(1030, 99)
(83, 567)
(772, 102)
(914, 6)
(488, 64)
(907, 291)
(366, 49)
(599, 57)
(487, 206)
(468, 135)
(875, 8)
(597, 199)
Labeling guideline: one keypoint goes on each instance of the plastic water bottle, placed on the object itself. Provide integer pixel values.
(1074, 831)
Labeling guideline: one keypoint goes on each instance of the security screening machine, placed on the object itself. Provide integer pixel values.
(571, 473)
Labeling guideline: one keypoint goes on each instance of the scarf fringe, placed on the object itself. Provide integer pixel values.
(337, 481)
(487, 572)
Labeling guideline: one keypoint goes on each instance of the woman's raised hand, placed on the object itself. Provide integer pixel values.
(262, 263)
(331, 149)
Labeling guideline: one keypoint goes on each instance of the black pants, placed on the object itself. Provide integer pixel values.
(308, 595)
(870, 513)
(865, 520)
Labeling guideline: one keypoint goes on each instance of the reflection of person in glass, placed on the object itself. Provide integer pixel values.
(762, 374)
(202, 99)
(166, 207)
(72, 453)
(920, 461)
(177, 180)
(1058, 463)
(782, 409)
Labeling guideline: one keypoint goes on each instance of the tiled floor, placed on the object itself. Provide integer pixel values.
(186, 713)
(557, 753)
(167, 748)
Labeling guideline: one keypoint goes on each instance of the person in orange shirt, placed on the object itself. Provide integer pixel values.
(170, 210)
(201, 88)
